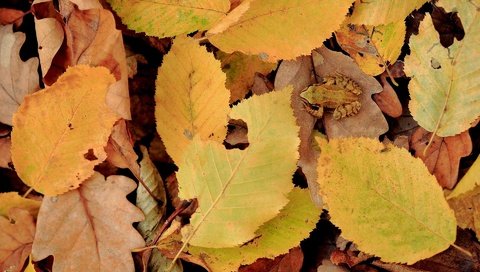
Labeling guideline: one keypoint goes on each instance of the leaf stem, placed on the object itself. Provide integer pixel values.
(462, 250)
(28, 192)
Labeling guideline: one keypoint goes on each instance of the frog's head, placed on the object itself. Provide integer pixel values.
(308, 94)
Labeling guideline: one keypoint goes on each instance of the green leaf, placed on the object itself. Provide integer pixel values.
(384, 200)
(191, 98)
(274, 238)
(470, 181)
(167, 18)
(445, 85)
(239, 190)
(270, 28)
(382, 12)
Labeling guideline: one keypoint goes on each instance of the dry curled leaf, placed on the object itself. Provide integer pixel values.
(387, 100)
(90, 228)
(14, 200)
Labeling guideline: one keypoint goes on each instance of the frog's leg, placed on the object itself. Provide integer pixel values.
(315, 113)
(345, 110)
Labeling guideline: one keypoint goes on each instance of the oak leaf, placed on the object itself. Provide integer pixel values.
(18, 78)
(443, 156)
(445, 98)
(167, 18)
(239, 190)
(253, 27)
(14, 200)
(382, 12)
(384, 200)
(59, 133)
(16, 237)
(191, 98)
(90, 228)
(469, 182)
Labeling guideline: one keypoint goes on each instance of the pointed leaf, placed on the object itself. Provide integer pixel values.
(384, 200)
(16, 237)
(191, 98)
(469, 182)
(274, 238)
(59, 133)
(239, 190)
(90, 228)
(14, 200)
(269, 28)
(445, 85)
(382, 12)
(167, 18)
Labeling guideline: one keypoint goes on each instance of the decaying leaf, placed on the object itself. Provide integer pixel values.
(239, 190)
(10, 16)
(269, 28)
(14, 200)
(291, 261)
(273, 238)
(469, 182)
(369, 122)
(5, 154)
(17, 78)
(445, 98)
(59, 133)
(90, 228)
(467, 209)
(167, 18)
(372, 47)
(191, 98)
(387, 100)
(120, 148)
(382, 12)
(16, 237)
(443, 156)
(384, 200)
(240, 70)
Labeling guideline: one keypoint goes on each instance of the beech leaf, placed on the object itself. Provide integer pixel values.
(167, 18)
(13, 200)
(444, 90)
(239, 190)
(90, 228)
(59, 133)
(191, 98)
(275, 237)
(17, 78)
(382, 12)
(253, 27)
(384, 200)
(16, 237)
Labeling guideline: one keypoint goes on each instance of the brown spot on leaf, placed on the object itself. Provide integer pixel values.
(90, 155)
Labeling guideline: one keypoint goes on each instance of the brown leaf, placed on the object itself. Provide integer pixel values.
(299, 74)
(16, 237)
(120, 148)
(444, 154)
(387, 100)
(291, 262)
(10, 16)
(17, 78)
(89, 228)
(369, 122)
(261, 85)
(467, 210)
(5, 154)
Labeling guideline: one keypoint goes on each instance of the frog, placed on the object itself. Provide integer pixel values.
(337, 92)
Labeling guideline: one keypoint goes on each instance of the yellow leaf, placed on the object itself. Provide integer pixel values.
(378, 12)
(384, 200)
(470, 181)
(274, 238)
(13, 200)
(467, 209)
(240, 70)
(270, 28)
(444, 90)
(191, 98)
(166, 18)
(59, 133)
(239, 190)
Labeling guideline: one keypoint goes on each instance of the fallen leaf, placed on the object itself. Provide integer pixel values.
(5, 154)
(240, 70)
(273, 238)
(10, 16)
(384, 200)
(168, 18)
(16, 237)
(191, 98)
(467, 209)
(442, 158)
(378, 12)
(14, 200)
(119, 148)
(292, 262)
(18, 78)
(257, 27)
(444, 95)
(228, 183)
(369, 122)
(89, 228)
(387, 100)
(261, 85)
(59, 133)
(469, 182)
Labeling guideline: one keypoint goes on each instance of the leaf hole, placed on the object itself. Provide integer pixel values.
(90, 155)
(435, 63)
(70, 126)
(361, 54)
